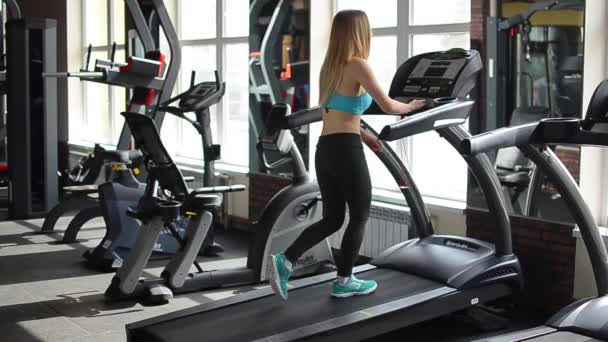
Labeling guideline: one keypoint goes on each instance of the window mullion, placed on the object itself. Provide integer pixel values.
(219, 50)
(111, 114)
(104, 47)
(195, 42)
(84, 115)
(179, 126)
(237, 40)
(385, 31)
(440, 28)
(403, 53)
(178, 19)
(111, 20)
(604, 213)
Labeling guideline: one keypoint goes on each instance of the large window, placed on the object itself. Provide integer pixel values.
(103, 25)
(402, 29)
(213, 35)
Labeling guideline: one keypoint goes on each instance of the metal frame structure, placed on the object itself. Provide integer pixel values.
(32, 128)
(587, 316)
(265, 86)
(146, 26)
(219, 42)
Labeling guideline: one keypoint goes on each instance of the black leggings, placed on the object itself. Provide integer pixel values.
(343, 177)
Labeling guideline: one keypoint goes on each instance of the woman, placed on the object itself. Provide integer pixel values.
(347, 87)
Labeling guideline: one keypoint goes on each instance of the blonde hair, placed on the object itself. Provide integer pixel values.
(350, 37)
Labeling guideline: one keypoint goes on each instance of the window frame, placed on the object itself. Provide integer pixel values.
(84, 114)
(405, 31)
(603, 217)
(220, 42)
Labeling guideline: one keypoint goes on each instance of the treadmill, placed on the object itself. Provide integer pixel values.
(419, 279)
(587, 319)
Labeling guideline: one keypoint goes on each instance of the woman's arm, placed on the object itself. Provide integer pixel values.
(365, 76)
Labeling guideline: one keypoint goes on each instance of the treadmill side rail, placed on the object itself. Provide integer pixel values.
(520, 335)
(586, 317)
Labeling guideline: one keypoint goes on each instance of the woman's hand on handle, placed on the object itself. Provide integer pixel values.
(414, 105)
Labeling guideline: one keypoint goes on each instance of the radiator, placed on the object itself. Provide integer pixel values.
(387, 226)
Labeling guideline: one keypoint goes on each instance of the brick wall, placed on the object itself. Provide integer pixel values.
(546, 251)
(261, 189)
(571, 157)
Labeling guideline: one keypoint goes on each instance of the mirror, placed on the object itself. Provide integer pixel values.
(535, 71)
(279, 42)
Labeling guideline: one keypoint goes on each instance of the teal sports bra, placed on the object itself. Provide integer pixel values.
(351, 104)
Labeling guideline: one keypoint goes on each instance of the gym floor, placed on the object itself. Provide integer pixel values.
(46, 294)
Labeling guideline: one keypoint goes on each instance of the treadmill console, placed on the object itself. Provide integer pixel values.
(436, 75)
(433, 77)
(202, 95)
(198, 93)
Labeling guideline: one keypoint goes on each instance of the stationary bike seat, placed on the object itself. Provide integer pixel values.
(121, 156)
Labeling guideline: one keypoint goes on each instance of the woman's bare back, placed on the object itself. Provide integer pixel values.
(337, 121)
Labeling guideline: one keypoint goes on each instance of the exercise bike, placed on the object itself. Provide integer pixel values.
(117, 196)
(289, 212)
(198, 99)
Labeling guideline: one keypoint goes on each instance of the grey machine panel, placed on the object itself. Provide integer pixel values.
(541, 334)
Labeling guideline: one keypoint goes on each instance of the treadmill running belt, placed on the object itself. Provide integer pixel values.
(270, 315)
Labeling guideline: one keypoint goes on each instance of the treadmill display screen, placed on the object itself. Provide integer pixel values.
(435, 72)
(431, 77)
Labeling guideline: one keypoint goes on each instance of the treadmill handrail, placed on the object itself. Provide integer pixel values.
(406, 184)
(531, 141)
(447, 120)
(14, 11)
(499, 138)
(301, 118)
(446, 115)
(567, 187)
(387, 156)
(531, 133)
(311, 115)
